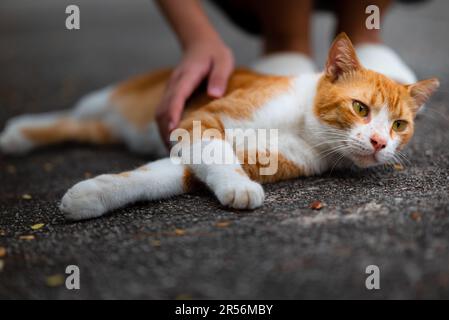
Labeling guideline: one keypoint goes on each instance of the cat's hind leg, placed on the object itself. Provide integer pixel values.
(94, 197)
(85, 123)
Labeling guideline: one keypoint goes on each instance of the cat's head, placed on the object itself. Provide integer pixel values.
(367, 117)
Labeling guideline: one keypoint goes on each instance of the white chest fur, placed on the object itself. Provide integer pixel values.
(291, 116)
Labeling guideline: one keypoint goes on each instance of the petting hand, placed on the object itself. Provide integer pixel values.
(211, 59)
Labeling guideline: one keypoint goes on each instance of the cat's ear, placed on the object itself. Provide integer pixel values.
(342, 58)
(422, 90)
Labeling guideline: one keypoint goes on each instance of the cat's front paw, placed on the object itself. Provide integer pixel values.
(241, 194)
(12, 140)
(83, 201)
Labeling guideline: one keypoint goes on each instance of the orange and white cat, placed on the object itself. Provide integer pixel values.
(343, 116)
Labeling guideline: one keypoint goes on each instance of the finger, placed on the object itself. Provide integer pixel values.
(219, 77)
(189, 80)
(162, 124)
(179, 90)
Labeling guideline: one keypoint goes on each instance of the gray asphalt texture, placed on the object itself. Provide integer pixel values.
(190, 246)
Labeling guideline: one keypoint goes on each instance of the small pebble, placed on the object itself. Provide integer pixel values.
(316, 205)
(416, 216)
(87, 175)
(223, 224)
(180, 232)
(156, 243)
(11, 169)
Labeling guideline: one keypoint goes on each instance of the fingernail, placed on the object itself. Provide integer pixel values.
(216, 91)
(171, 126)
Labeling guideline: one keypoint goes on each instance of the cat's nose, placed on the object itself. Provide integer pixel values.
(378, 142)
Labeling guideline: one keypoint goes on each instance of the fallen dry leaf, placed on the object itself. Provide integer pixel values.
(48, 167)
(11, 169)
(398, 166)
(27, 237)
(223, 224)
(316, 205)
(2, 265)
(55, 280)
(87, 175)
(37, 226)
(26, 196)
(2, 252)
(156, 243)
(415, 216)
(183, 296)
(180, 232)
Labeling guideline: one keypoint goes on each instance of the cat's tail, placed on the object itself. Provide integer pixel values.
(84, 123)
(157, 180)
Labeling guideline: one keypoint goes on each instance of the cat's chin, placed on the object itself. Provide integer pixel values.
(365, 161)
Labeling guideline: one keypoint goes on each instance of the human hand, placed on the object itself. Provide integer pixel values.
(203, 58)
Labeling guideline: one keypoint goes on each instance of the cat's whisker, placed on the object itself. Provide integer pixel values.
(336, 150)
(330, 142)
(440, 115)
(396, 160)
(403, 157)
(336, 163)
(336, 146)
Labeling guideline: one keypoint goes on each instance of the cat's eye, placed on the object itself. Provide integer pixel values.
(360, 109)
(399, 125)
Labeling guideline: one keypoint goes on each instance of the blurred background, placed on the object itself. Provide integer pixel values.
(119, 39)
